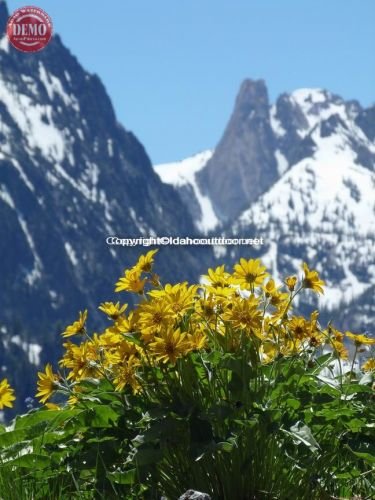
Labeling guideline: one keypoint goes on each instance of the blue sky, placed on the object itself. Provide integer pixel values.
(173, 67)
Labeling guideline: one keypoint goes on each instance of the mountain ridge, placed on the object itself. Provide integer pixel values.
(70, 176)
(319, 208)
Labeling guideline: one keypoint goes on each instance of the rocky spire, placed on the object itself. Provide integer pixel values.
(243, 165)
(4, 14)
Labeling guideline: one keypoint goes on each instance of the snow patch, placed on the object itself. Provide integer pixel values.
(34, 121)
(36, 273)
(110, 148)
(323, 201)
(317, 106)
(275, 122)
(32, 350)
(183, 173)
(71, 253)
(282, 162)
(6, 197)
(54, 86)
(4, 44)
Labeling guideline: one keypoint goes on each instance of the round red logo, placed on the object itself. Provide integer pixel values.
(29, 29)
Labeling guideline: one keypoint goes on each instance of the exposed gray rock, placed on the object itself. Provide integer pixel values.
(243, 165)
(194, 495)
(366, 120)
(3, 16)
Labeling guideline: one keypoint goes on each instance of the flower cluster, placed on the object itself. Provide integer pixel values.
(173, 321)
(6, 395)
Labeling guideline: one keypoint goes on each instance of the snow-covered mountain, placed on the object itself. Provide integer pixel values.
(301, 174)
(183, 176)
(70, 176)
(322, 208)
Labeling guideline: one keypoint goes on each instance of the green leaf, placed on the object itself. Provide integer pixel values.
(44, 416)
(214, 357)
(343, 475)
(30, 461)
(322, 360)
(131, 338)
(356, 388)
(225, 446)
(102, 416)
(12, 437)
(356, 424)
(101, 439)
(293, 403)
(126, 477)
(367, 457)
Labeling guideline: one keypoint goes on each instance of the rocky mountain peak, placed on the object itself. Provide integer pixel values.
(4, 14)
(243, 165)
(252, 100)
(70, 175)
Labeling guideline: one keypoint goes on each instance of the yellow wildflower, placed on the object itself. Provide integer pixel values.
(268, 351)
(180, 296)
(126, 374)
(122, 352)
(290, 282)
(249, 273)
(78, 327)
(110, 338)
(74, 396)
(218, 277)
(6, 395)
(82, 360)
(221, 293)
(112, 310)
(154, 316)
(339, 349)
(311, 280)
(131, 282)
(169, 346)
(47, 384)
(272, 292)
(206, 308)
(244, 315)
(334, 334)
(316, 337)
(369, 365)
(359, 339)
(197, 340)
(52, 406)
(298, 327)
(291, 347)
(145, 262)
(125, 324)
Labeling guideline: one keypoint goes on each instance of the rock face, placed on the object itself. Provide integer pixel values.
(322, 209)
(243, 165)
(299, 172)
(194, 495)
(3, 16)
(71, 175)
(318, 206)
